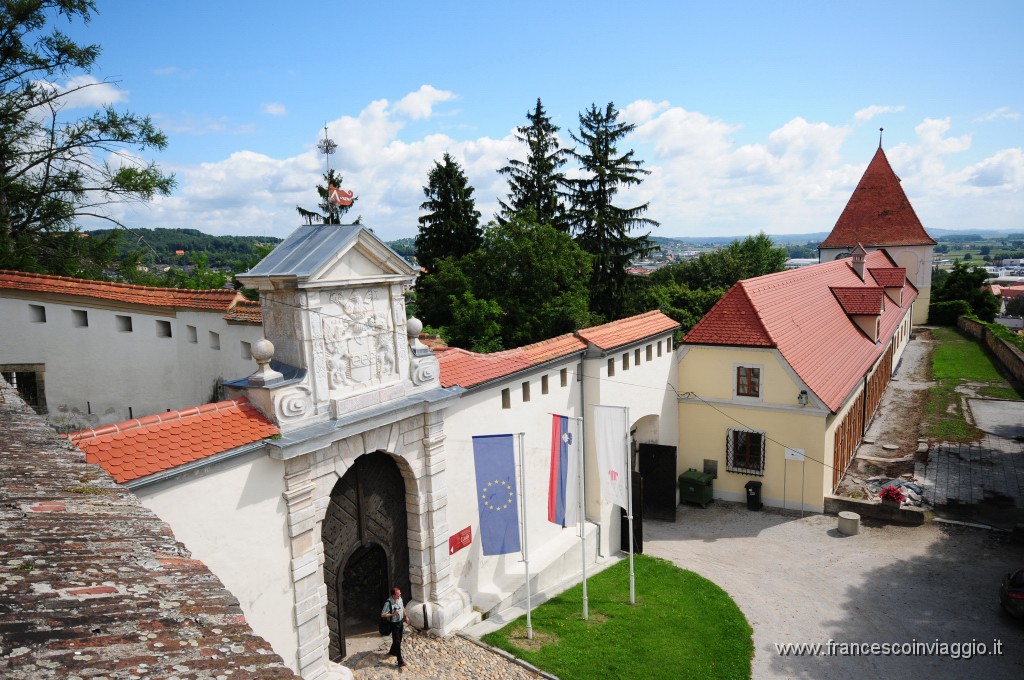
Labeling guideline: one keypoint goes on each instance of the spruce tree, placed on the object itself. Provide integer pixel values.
(537, 183)
(451, 227)
(331, 213)
(601, 227)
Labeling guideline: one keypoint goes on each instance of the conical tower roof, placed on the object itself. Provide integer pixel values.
(878, 213)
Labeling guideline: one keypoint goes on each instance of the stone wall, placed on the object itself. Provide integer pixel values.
(1009, 356)
(94, 584)
(907, 514)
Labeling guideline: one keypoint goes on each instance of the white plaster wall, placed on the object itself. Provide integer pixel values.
(100, 371)
(646, 389)
(481, 413)
(232, 517)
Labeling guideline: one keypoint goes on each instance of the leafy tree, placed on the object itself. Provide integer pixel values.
(432, 303)
(753, 256)
(1015, 306)
(964, 283)
(537, 275)
(537, 183)
(942, 248)
(476, 324)
(55, 168)
(529, 279)
(330, 212)
(451, 227)
(677, 300)
(601, 227)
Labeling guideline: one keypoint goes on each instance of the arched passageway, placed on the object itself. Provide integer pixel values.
(365, 536)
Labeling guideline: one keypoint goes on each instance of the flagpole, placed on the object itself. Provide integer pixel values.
(629, 512)
(526, 551)
(581, 471)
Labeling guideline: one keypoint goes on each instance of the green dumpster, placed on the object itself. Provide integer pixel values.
(696, 487)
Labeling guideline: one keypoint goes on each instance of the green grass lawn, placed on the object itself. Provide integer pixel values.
(959, 358)
(682, 626)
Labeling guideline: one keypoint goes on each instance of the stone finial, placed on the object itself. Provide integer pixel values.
(413, 328)
(262, 352)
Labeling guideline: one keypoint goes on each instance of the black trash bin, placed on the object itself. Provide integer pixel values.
(753, 495)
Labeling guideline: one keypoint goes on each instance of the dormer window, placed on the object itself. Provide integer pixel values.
(864, 305)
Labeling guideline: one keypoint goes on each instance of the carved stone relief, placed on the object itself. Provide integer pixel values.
(359, 338)
(294, 403)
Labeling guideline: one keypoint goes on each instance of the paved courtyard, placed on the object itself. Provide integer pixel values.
(798, 580)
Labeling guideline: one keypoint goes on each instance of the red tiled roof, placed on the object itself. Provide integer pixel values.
(220, 299)
(468, 369)
(624, 331)
(796, 312)
(144, 446)
(860, 300)
(889, 277)
(878, 213)
(732, 321)
(245, 311)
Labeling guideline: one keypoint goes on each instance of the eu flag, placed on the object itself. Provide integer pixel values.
(494, 459)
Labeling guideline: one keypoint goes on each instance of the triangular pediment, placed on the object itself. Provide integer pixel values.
(364, 259)
(316, 256)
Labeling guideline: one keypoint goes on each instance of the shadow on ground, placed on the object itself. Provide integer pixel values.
(939, 596)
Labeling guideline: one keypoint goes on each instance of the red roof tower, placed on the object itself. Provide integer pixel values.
(878, 213)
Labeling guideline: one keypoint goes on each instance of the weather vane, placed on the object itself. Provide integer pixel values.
(336, 196)
(327, 146)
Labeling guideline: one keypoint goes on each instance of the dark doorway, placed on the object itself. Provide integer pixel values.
(27, 379)
(365, 587)
(366, 550)
(658, 469)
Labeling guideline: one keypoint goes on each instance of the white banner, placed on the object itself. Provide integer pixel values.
(612, 453)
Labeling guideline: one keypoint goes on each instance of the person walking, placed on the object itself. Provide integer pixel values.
(394, 611)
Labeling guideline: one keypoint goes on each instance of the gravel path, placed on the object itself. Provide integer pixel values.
(430, 657)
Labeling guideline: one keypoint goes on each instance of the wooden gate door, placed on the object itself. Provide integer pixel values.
(367, 510)
(658, 469)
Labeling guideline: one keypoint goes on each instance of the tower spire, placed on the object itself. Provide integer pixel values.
(880, 137)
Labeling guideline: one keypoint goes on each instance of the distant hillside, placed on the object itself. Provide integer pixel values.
(162, 245)
(780, 239)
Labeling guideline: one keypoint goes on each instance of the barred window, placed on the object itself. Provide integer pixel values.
(748, 381)
(744, 452)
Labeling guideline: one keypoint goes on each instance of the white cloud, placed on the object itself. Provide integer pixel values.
(794, 179)
(874, 110)
(273, 109)
(85, 92)
(1001, 113)
(420, 104)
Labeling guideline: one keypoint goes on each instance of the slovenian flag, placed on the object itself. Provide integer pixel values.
(497, 501)
(563, 484)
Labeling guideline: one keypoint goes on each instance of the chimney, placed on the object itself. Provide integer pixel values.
(857, 257)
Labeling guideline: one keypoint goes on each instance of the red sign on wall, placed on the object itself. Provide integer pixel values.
(460, 540)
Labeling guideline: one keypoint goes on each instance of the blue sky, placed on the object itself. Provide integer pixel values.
(750, 115)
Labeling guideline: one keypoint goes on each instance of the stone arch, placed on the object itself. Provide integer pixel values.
(365, 526)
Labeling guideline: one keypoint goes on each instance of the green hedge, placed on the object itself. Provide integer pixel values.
(946, 313)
